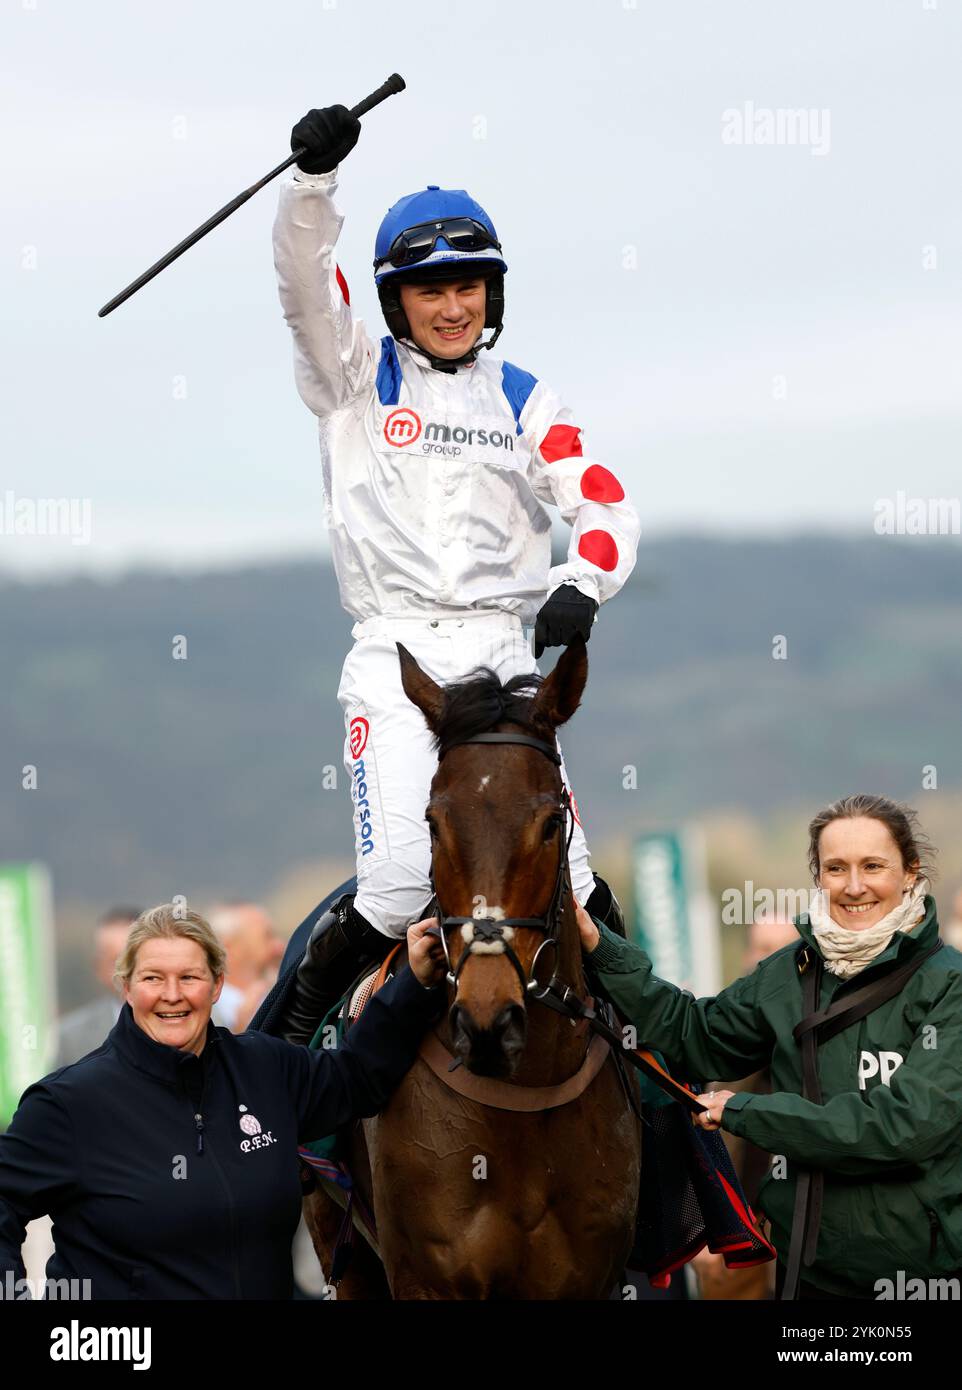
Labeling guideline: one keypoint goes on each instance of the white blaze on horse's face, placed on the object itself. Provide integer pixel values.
(482, 908)
(486, 948)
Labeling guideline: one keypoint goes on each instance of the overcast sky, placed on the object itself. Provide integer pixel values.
(757, 337)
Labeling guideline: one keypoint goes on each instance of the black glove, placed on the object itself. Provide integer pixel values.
(568, 613)
(330, 134)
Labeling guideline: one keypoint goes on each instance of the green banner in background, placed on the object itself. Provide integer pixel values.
(674, 922)
(27, 982)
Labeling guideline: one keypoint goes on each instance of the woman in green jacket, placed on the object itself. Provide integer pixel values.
(881, 1149)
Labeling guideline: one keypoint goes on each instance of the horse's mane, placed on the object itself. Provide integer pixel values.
(478, 703)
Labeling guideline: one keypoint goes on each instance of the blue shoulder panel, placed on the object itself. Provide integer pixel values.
(388, 373)
(517, 386)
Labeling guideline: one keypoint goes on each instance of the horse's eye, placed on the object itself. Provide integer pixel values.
(432, 826)
(551, 826)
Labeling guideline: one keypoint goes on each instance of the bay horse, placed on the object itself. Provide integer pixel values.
(475, 1197)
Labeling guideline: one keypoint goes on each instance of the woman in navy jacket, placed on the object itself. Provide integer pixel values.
(168, 1158)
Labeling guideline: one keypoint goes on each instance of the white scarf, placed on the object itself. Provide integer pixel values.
(846, 951)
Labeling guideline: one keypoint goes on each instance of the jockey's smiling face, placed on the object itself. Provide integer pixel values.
(446, 317)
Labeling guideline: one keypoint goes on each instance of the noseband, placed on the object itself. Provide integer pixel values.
(485, 934)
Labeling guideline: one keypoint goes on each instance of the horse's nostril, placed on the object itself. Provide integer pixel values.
(511, 1029)
(464, 1031)
(511, 1018)
(489, 1051)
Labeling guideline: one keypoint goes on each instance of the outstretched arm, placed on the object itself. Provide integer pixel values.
(721, 1036)
(333, 356)
(861, 1134)
(332, 1086)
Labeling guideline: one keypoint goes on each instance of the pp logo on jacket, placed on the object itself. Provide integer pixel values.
(882, 1065)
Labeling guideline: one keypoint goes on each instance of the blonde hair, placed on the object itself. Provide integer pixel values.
(170, 920)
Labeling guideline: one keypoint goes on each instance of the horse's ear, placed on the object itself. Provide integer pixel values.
(420, 689)
(559, 694)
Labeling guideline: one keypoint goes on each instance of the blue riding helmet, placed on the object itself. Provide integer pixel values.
(434, 205)
(424, 217)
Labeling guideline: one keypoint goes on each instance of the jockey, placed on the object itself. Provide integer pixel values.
(436, 458)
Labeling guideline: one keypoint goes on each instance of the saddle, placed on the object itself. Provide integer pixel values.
(361, 993)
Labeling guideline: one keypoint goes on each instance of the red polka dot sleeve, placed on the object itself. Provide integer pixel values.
(590, 497)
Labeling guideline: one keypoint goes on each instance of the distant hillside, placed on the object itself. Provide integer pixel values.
(158, 776)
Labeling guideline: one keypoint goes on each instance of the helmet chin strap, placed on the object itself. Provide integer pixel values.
(451, 364)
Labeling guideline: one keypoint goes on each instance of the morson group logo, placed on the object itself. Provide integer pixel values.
(357, 739)
(403, 427)
(358, 735)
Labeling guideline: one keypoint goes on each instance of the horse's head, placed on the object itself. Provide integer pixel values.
(499, 822)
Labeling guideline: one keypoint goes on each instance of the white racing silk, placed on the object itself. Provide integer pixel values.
(433, 486)
(434, 480)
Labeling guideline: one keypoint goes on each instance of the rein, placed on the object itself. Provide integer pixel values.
(485, 934)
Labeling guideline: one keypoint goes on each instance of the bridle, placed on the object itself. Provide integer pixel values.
(488, 936)
(492, 935)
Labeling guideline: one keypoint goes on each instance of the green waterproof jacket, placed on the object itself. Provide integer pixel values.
(888, 1135)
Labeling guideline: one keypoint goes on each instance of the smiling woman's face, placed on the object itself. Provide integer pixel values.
(861, 869)
(172, 991)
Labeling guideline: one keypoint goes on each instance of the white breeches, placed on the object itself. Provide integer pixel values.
(389, 756)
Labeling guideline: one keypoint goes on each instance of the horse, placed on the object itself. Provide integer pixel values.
(522, 1183)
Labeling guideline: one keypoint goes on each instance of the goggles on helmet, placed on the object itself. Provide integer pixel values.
(416, 243)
